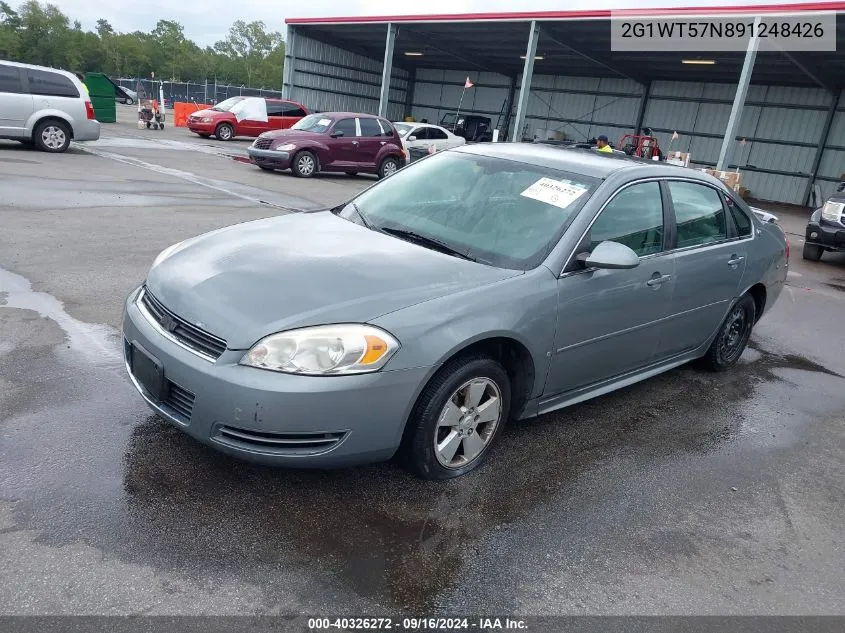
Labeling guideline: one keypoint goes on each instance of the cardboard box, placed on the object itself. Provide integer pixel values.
(682, 159)
(733, 179)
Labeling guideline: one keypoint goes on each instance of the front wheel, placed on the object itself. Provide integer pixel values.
(388, 167)
(129, 101)
(456, 418)
(304, 165)
(813, 252)
(224, 132)
(730, 341)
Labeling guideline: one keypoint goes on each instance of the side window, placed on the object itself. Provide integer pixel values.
(421, 133)
(274, 108)
(42, 82)
(386, 128)
(291, 109)
(741, 220)
(370, 127)
(699, 214)
(347, 126)
(436, 134)
(634, 217)
(10, 79)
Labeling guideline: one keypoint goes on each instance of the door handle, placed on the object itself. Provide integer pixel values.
(658, 280)
(735, 260)
(354, 142)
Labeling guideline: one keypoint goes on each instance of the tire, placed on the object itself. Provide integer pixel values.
(388, 167)
(304, 164)
(224, 132)
(129, 101)
(205, 135)
(812, 252)
(52, 136)
(265, 168)
(438, 401)
(149, 125)
(733, 335)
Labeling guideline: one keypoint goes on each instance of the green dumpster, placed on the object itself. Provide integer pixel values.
(101, 89)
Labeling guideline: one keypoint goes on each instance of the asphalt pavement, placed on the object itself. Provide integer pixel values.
(690, 493)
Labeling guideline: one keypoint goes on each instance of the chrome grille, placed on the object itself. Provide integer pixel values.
(287, 443)
(205, 344)
(262, 143)
(180, 400)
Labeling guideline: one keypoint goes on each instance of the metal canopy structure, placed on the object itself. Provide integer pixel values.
(559, 68)
(575, 43)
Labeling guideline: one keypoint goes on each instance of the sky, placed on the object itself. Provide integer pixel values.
(207, 21)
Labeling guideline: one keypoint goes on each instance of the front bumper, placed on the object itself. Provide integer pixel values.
(274, 418)
(269, 157)
(827, 235)
(200, 128)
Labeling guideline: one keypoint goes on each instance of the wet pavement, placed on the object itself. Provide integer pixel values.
(688, 493)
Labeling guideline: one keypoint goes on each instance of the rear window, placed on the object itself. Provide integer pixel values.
(10, 79)
(43, 82)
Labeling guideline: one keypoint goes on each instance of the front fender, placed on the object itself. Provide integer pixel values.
(48, 113)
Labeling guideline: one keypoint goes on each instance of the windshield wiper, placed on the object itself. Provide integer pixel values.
(423, 240)
(364, 219)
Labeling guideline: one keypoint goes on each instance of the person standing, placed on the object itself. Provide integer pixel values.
(603, 146)
(81, 78)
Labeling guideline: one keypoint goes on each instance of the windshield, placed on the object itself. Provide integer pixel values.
(313, 123)
(403, 128)
(501, 212)
(228, 104)
(448, 119)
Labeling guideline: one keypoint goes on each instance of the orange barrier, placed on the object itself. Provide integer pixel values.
(181, 112)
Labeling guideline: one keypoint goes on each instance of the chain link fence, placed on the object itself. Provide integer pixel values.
(202, 93)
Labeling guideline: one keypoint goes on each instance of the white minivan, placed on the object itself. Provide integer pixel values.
(45, 107)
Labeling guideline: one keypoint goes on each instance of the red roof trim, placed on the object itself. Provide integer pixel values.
(580, 15)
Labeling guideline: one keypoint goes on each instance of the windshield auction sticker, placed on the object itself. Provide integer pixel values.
(324, 122)
(559, 193)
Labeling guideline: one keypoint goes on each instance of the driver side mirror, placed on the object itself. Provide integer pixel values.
(610, 255)
(411, 139)
(336, 134)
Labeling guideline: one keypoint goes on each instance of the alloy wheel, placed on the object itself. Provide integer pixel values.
(467, 423)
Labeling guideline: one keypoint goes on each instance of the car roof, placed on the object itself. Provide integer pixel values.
(341, 115)
(37, 67)
(415, 124)
(586, 162)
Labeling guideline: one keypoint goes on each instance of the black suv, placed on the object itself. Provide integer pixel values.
(474, 128)
(826, 228)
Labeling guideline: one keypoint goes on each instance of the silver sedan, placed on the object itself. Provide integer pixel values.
(416, 320)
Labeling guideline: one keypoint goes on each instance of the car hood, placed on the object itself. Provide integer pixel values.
(292, 134)
(250, 280)
(207, 113)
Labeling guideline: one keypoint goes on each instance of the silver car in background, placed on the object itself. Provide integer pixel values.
(45, 107)
(486, 283)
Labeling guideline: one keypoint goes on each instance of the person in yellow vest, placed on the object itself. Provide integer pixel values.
(601, 143)
(81, 78)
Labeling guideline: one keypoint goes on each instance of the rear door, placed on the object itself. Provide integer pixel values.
(710, 259)
(275, 115)
(15, 102)
(371, 141)
(438, 138)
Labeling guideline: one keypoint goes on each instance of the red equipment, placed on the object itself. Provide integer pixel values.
(640, 145)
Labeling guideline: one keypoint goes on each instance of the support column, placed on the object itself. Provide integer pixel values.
(729, 141)
(289, 70)
(525, 87)
(817, 159)
(508, 110)
(410, 86)
(386, 70)
(643, 105)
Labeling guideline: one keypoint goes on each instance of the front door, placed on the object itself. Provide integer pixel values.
(344, 149)
(709, 261)
(609, 321)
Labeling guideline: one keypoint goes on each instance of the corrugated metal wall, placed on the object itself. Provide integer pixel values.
(437, 92)
(832, 165)
(329, 78)
(782, 127)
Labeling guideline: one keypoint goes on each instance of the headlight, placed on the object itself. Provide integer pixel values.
(832, 211)
(287, 147)
(167, 252)
(206, 119)
(324, 350)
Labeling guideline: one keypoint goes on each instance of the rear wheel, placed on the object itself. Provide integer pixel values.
(388, 167)
(812, 252)
(224, 132)
(304, 165)
(456, 418)
(52, 136)
(733, 336)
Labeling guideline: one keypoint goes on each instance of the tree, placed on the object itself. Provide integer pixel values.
(248, 45)
(10, 22)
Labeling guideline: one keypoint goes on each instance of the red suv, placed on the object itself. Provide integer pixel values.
(332, 141)
(222, 123)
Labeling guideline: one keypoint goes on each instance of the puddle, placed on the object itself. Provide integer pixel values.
(91, 340)
(839, 287)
